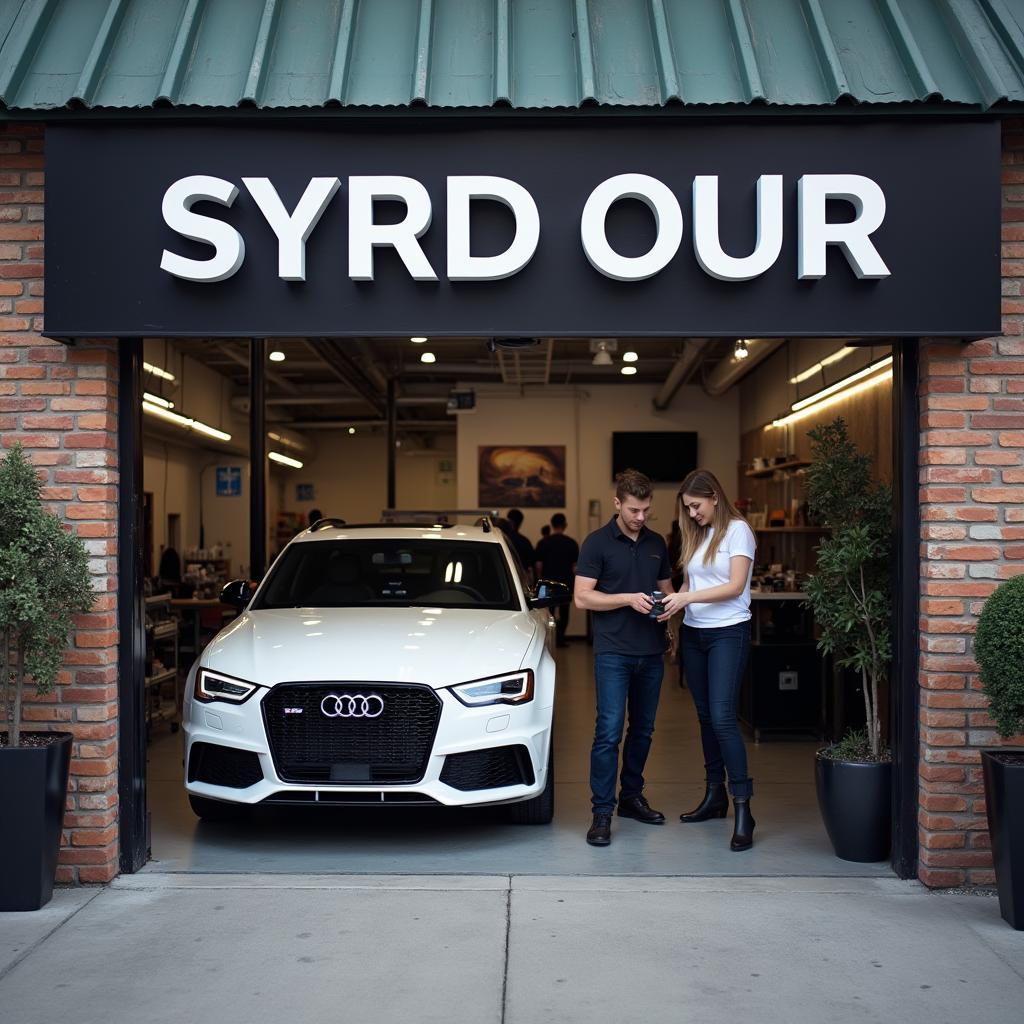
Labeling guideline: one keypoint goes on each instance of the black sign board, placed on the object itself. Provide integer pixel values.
(938, 241)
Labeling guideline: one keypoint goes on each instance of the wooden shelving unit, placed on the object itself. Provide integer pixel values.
(772, 470)
(162, 637)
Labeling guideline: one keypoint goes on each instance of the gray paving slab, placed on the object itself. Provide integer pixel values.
(22, 932)
(237, 955)
(789, 955)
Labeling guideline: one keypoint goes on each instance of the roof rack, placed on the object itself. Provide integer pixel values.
(324, 524)
(441, 516)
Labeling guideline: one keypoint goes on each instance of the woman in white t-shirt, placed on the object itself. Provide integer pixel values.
(717, 558)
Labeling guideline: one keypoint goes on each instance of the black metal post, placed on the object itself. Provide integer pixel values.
(131, 750)
(391, 442)
(257, 457)
(904, 689)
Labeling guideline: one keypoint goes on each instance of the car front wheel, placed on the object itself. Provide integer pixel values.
(540, 809)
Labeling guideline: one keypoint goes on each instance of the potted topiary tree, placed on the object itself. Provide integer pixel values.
(44, 582)
(999, 651)
(850, 594)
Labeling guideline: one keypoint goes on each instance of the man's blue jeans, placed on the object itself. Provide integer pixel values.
(623, 682)
(714, 660)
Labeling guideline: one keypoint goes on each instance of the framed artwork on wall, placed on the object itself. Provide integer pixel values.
(521, 476)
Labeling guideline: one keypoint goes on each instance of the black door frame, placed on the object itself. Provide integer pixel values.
(904, 691)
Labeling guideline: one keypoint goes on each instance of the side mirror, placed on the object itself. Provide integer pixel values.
(550, 594)
(237, 593)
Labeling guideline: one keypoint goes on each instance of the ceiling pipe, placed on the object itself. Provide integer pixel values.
(693, 350)
(731, 370)
(402, 425)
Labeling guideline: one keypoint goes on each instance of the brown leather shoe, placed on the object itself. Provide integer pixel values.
(600, 833)
(637, 807)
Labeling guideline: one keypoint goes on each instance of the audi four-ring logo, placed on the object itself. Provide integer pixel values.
(352, 705)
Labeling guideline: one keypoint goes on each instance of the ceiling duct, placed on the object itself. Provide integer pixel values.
(693, 350)
(731, 370)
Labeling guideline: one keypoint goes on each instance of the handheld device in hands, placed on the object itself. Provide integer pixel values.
(659, 608)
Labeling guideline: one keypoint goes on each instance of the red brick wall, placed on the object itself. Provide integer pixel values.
(61, 404)
(972, 534)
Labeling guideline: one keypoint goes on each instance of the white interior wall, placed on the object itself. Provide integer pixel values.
(583, 419)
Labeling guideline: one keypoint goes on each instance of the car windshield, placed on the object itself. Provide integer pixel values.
(387, 573)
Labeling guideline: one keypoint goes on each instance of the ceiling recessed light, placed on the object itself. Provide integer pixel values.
(351, 430)
(428, 357)
(628, 371)
(418, 341)
(277, 356)
(629, 357)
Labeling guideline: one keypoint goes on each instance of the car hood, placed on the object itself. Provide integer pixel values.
(425, 645)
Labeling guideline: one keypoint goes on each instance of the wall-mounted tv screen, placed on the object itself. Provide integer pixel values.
(666, 456)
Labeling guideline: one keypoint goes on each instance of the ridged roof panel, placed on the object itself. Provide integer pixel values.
(527, 54)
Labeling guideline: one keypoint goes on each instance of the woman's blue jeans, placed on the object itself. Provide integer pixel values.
(623, 681)
(714, 659)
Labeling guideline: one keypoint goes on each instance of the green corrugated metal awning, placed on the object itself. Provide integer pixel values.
(290, 55)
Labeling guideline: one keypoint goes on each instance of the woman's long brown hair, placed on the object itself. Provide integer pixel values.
(702, 483)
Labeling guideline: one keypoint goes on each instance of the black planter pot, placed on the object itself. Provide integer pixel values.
(855, 799)
(1004, 802)
(33, 788)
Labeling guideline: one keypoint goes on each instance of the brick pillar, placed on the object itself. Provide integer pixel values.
(972, 536)
(61, 404)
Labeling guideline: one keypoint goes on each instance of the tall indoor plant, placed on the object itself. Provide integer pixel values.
(999, 651)
(850, 594)
(44, 582)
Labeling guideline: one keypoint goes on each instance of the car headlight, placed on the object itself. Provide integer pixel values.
(212, 686)
(516, 688)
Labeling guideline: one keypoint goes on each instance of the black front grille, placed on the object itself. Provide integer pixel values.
(488, 769)
(308, 746)
(223, 766)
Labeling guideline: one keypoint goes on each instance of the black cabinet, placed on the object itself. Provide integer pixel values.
(782, 687)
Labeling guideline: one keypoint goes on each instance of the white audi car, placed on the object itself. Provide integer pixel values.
(384, 664)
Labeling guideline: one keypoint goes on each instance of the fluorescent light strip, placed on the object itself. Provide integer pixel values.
(828, 400)
(157, 400)
(818, 367)
(285, 460)
(841, 385)
(184, 421)
(157, 371)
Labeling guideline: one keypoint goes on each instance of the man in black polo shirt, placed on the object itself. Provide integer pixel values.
(618, 568)
(556, 560)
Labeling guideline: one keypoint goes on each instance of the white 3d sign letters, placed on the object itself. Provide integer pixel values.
(706, 245)
(464, 267)
(814, 231)
(813, 190)
(364, 235)
(228, 244)
(292, 229)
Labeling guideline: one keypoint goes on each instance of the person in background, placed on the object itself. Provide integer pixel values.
(315, 515)
(556, 560)
(717, 557)
(620, 566)
(545, 531)
(524, 549)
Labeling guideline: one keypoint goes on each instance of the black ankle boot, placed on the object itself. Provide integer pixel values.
(714, 805)
(743, 826)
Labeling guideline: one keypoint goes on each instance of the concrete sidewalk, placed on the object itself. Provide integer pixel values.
(518, 950)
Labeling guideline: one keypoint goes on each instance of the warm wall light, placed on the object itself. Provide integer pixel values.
(740, 351)
(284, 460)
(818, 367)
(842, 385)
(184, 421)
(157, 371)
(157, 400)
(826, 400)
(351, 430)
(628, 371)
(629, 357)
(428, 357)
(277, 356)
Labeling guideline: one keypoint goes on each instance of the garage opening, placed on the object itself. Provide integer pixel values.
(469, 418)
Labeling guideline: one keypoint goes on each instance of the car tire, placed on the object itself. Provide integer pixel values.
(540, 809)
(216, 810)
